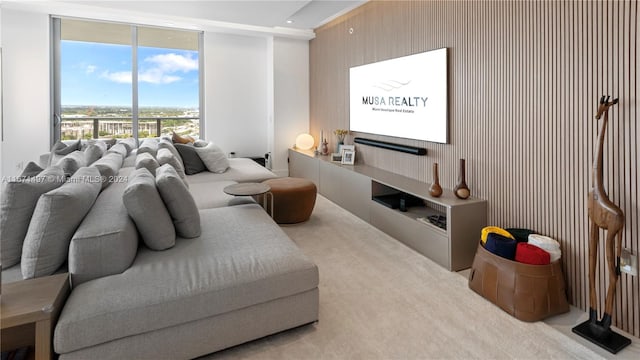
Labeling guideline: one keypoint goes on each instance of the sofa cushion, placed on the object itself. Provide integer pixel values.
(147, 161)
(211, 195)
(190, 158)
(61, 149)
(94, 152)
(179, 202)
(164, 156)
(145, 206)
(55, 218)
(251, 262)
(213, 158)
(240, 170)
(167, 144)
(182, 139)
(108, 167)
(72, 162)
(32, 169)
(129, 143)
(106, 242)
(19, 199)
(119, 148)
(148, 146)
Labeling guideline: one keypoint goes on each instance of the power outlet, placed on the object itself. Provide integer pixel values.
(628, 262)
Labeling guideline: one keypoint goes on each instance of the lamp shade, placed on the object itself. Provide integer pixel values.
(304, 142)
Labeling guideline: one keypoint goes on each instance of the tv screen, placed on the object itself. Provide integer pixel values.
(404, 97)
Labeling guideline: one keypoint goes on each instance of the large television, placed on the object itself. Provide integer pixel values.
(404, 97)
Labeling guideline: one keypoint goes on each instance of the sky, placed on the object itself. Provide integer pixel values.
(98, 74)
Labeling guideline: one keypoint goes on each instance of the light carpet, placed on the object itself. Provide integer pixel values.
(381, 300)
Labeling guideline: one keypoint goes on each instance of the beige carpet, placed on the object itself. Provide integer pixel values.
(381, 300)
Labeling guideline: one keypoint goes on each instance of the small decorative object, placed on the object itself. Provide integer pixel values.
(340, 133)
(324, 149)
(336, 157)
(304, 142)
(435, 189)
(343, 148)
(348, 157)
(461, 191)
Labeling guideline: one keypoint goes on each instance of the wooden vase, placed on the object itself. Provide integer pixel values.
(461, 191)
(435, 189)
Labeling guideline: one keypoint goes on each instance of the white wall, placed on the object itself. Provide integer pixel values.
(236, 93)
(25, 88)
(291, 98)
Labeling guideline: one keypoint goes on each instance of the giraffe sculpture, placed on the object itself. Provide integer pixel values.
(603, 214)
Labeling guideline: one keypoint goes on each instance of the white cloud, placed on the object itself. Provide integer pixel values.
(163, 66)
(120, 77)
(173, 62)
(89, 69)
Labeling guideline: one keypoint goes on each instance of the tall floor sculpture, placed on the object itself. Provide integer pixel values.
(603, 214)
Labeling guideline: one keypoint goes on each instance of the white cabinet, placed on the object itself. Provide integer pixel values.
(355, 188)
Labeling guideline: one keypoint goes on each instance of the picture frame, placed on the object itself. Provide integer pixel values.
(343, 147)
(337, 157)
(348, 157)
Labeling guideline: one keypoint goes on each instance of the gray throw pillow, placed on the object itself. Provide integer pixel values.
(19, 199)
(55, 218)
(148, 146)
(94, 152)
(147, 161)
(119, 149)
(108, 167)
(32, 169)
(167, 144)
(129, 143)
(179, 201)
(191, 160)
(165, 156)
(61, 149)
(72, 162)
(145, 206)
(213, 158)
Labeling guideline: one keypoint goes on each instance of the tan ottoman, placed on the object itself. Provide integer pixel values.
(293, 199)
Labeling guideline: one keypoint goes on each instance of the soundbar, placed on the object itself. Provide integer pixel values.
(391, 146)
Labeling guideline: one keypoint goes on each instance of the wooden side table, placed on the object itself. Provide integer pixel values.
(29, 310)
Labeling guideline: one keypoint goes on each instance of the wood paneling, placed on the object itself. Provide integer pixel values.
(524, 81)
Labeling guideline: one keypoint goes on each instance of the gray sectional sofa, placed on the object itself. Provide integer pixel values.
(239, 279)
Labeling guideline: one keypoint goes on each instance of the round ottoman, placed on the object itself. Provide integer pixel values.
(293, 199)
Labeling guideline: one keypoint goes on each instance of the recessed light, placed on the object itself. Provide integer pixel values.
(289, 21)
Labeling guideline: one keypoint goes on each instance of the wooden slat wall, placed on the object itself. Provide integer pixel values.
(525, 78)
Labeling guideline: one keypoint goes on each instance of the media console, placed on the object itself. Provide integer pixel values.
(444, 229)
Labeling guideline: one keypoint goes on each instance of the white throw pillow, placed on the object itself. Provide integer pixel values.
(213, 158)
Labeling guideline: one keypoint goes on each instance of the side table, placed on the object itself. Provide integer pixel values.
(29, 310)
(251, 189)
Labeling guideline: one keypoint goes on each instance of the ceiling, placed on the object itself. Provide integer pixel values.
(296, 14)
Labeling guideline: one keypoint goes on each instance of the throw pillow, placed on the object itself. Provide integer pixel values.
(191, 160)
(60, 150)
(185, 139)
(72, 162)
(179, 201)
(18, 201)
(167, 144)
(146, 160)
(200, 143)
(32, 169)
(129, 143)
(119, 149)
(55, 218)
(145, 206)
(166, 157)
(213, 158)
(148, 146)
(94, 152)
(108, 167)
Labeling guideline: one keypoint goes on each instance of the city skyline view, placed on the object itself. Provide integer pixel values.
(99, 74)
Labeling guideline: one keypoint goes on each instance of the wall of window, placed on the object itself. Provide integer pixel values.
(117, 80)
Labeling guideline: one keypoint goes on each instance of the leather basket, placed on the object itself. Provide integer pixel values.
(527, 292)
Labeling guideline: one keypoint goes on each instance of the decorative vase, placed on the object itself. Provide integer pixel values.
(340, 143)
(325, 148)
(461, 191)
(435, 189)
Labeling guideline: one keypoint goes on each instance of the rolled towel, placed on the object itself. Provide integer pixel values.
(521, 235)
(493, 229)
(501, 245)
(548, 244)
(531, 254)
